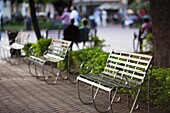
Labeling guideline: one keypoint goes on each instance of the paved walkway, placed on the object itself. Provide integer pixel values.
(22, 93)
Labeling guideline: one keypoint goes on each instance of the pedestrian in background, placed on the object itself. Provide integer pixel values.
(0, 24)
(72, 33)
(74, 15)
(104, 17)
(97, 19)
(144, 31)
(65, 18)
(84, 31)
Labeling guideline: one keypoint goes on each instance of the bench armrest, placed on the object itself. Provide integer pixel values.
(127, 83)
(85, 69)
(45, 52)
(31, 51)
(123, 81)
(126, 80)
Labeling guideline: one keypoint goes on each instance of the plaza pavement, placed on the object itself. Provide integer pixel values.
(22, 93)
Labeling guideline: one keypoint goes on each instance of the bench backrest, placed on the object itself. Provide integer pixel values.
(58, 48)
(22, 38)
(127, 66)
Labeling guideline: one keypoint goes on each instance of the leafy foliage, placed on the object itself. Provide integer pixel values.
(42, 45)
(39, 48)
(97, 42)
(141, 4)
(148, 42)
(94, 58)
(160, 88)
(27, 48)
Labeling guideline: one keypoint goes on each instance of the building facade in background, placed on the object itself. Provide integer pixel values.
(87, 7)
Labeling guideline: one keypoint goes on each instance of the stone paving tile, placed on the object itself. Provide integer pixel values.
(22, 93)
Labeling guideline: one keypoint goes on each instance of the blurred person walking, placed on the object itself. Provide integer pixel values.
(74, 15)
(65, 18)
(1, 22)
(97, 19)
(104, 18)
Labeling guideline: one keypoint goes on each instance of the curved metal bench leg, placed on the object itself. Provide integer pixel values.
(78, 90)
(39, 74)
(15, 59)
(136, 44)
(69, 76)
(2, 56)
(30, 70)
(111, 100)
(48, 79)
(7, 56)
(57, 75)
(94, 102)
(134, 106)
(1, 53)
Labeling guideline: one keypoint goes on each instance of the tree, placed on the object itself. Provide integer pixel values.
(161, 32)
(33, 13)
(34, 19)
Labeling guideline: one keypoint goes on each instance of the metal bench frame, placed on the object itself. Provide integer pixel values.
(56, 52)
(20, 40)
(123, 70)
(52, 33)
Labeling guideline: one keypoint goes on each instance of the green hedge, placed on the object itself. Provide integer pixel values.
(160, 88)
(38, 48)
(95, 58)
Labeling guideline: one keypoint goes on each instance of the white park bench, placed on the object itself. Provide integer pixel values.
(125, 70)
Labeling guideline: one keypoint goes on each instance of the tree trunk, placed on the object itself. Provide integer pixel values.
(34, 19)
(161, 32)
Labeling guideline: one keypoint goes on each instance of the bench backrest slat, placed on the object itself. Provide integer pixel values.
(130, 58)
(59, 48)
(127, 65)
(119, 62)
(22, 38)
